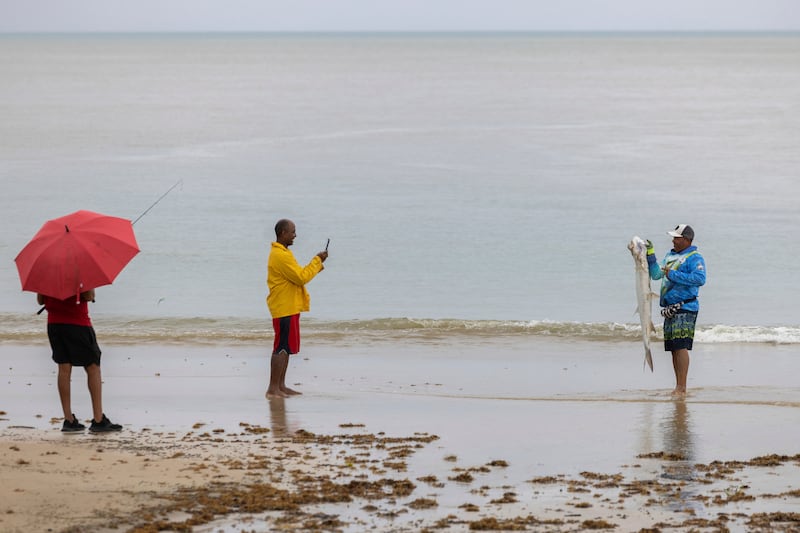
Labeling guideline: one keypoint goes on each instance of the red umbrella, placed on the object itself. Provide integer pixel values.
(76, 253)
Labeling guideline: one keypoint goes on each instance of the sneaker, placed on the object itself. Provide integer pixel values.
(73, 426)
(104, 426)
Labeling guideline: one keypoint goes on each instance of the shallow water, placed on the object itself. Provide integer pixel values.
(538, 391)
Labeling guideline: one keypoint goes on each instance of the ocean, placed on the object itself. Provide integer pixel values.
(472, 185)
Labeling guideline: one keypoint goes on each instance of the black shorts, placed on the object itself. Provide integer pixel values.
(76, 345)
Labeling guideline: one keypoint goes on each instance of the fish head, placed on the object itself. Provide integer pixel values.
(638, 248)
(636, 244)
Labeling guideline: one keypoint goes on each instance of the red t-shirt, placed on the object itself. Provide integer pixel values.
(67, 311)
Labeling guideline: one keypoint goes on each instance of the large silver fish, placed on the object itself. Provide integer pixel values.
(644, 296)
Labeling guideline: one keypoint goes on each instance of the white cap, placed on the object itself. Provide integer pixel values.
(682, 230)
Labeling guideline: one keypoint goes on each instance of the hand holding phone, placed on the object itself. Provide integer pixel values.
(324, 254)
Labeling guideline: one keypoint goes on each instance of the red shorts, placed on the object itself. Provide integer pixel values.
(287, 334)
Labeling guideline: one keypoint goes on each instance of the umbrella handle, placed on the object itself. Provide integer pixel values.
(39, 312)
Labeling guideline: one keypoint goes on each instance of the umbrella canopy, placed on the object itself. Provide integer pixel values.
(76, 253)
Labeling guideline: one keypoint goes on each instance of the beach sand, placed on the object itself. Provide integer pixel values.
(510, 434)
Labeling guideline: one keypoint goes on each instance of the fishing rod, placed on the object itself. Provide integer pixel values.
(179, 182)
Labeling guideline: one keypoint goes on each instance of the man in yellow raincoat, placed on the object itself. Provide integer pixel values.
(287, 298)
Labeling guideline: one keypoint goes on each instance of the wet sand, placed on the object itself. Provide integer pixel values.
(523, 434)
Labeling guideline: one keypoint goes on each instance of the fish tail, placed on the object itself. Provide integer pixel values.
(648, 359)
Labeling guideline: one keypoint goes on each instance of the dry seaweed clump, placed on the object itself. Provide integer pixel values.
(546, 480)
(463, 477)
(351, 425)
(664, 456)
(423, 503)
(301, 436)
(519, 523)
(597, 524)
(494, 524)
(719, 525)
(603, 480)
(775, 521)
(772, 460)
(508, 497)
(254, 430)
(431, 480)
(373, 490)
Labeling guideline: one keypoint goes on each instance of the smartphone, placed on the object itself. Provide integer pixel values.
(326, 244)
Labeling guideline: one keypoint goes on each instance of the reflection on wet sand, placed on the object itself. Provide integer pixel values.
(677, 431)
(277, 415)
(679, 443)
(674, 431)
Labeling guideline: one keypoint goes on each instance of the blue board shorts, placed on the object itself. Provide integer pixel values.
(679, 331)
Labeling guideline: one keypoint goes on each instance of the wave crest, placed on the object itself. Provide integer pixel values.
(137, 330)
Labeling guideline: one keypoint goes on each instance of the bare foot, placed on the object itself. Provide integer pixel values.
(678, 394)
(290, 392)
(276, 394)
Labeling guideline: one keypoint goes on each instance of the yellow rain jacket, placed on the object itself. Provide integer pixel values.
(286, 280)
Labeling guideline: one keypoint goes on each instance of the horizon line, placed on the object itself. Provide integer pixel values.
(395, 32)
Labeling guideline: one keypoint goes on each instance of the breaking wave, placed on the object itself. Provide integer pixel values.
(25, 328)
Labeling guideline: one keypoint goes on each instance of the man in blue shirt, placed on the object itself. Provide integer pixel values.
(682, 272)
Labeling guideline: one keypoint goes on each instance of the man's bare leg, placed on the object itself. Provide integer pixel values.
(94, 380)
(277, 373)
(284, 388)
(680, 362)
(65, 389)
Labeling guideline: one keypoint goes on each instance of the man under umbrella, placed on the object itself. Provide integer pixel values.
(63, 263)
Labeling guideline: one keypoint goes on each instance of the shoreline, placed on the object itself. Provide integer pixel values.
(548, 436)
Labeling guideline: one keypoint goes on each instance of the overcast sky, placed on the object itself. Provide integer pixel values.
(398, 15)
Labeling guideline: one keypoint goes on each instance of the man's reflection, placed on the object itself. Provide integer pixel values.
(277, 414)
(678, 443)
